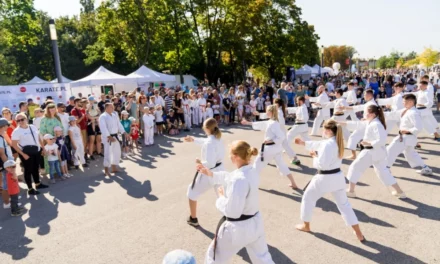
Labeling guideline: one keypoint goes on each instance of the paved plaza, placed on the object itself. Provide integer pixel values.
(140, 214)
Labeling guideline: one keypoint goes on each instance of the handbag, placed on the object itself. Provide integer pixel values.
(31, 149)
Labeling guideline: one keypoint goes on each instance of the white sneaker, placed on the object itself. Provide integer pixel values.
(351, 194)
(7, 206)
(401, 195)
(425, 171)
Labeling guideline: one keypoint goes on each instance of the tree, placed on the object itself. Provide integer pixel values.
(339, 54)
(428, 57)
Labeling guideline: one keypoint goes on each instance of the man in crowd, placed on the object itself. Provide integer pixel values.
(102, 102)
(71, 105)
(169, 101)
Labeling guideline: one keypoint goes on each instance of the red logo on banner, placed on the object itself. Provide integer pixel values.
(347, 61)
(38, 98)
(23, 89)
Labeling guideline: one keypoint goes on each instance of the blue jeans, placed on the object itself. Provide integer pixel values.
(54, 166)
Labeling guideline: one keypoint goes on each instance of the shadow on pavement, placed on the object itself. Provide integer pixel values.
(385, 254)
(277, 255)
(13, 241)
(328, 206)
(134, 188)
(422, 210)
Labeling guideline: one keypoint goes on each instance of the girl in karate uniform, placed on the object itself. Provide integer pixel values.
(327, 158)
(187, 110)
(339, 115)
(242, 224)
(202, 108)
(289, 151)
(300, 128)
(272, 148)
(195, 110)
(213, 153)
(374, 153)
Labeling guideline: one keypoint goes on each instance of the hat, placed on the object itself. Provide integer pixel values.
(72, 98)
(57, 128)
(3, 122)
(9, 163)
(72, 118)
(146, 108)
(124, 113)
(61, 105)
(91, 98)
(179, 256)
(48, 136)
(30, 100)
(132, 119)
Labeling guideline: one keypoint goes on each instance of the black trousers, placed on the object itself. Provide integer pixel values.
(14, 203)
(31, 167)
(181, 117)
(232, 115)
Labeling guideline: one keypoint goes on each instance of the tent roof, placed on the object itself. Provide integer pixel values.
(145, 74)
(102, 76)
(64, 80)
(304, 71)
(36, 80)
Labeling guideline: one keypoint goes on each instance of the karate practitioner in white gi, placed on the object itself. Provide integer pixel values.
(410, 125)
(394, 103)
(110, 126)
(374, 153)
(272, 148)
(323, 113)
(300, 128)
(358, 131)
(327, 158)
(202, 108)
(242, 224)
(186, 104)
(338, 114)
(287, 148)
(424, 105)
(352, 100)
(212, 155)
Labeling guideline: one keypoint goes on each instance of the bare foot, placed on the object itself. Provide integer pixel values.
(302, 227)
(107, 173)
(360, 237)
(293, 186)
(352, 157)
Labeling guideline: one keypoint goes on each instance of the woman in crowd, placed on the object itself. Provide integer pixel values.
(142, 103)
(242, 224)
(7, 114)
(27, 143)
(47, 125)
(93, 131)
(234, 104)
(178, 109)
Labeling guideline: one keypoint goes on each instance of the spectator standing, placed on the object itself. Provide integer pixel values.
(5, 155)
(388, 84)
(47, 125)
(71, 105)
(81, 120)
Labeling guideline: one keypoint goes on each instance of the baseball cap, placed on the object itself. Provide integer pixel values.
(30, 100)
(3, 122)
(57, 128)
(72, 118)
(9, 163)
(61, 105)
(132, 119)
(72, 98)
(91, 98)
(48, 136)
(124, 113)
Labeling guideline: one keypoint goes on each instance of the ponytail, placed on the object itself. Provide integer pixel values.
(280, 102)
(243, 150)
(217, 133)
(377, 110)
(211, 125)
(340, 141)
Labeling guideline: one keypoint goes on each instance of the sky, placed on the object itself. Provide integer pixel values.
(374, 27)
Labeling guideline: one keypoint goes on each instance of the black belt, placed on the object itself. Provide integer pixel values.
(224, 219)
(319, 108)
(329, 171)
(300, 123)
(197, 173)
(421, 107)
(365, 147)
(115, 136)
(338, 114)
(401, 135)
(262, 149)
(351, 105)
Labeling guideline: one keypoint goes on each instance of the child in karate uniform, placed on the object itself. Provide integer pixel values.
(148, 119)
(327, 158)
(241, 224)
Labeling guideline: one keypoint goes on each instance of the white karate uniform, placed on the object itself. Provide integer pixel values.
(213, 152)
(186, 104)
(78, 154)
(376, 135)
(209, 113)
(195, 112)
(336, 104)
(202, 109)
(358, 130)
(429, 122)
(241, 198)
(260, 103)
(286, 145)
(110, 125)
(396, 103)
(327, 159)
(148, 120)
(351, 100)
(323, 114)
(302, 130)
(274, 133)
(410, 120)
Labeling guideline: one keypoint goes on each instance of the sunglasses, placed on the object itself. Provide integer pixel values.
(13, 167)
(20, 120)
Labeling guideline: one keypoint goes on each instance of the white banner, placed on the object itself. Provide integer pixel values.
(11, 96)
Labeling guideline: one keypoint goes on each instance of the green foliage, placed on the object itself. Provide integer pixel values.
(339, 54)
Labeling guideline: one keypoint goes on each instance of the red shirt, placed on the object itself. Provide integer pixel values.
(13, 188)
(11, 128)
(78, 114)
(134, 131)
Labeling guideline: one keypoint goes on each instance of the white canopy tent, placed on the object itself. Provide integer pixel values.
(64, 80)
(36, 80)
(147, 75)
(328, 70)
(102, 76)
(303, 71)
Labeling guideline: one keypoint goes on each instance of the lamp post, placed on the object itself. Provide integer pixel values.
(374, 62)
(322, 58)
(56, 55)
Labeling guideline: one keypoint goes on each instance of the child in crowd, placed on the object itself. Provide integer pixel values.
(134, 133)
(195, 111)
(148, 119)
(248, 111)
(267, 102)
(209, 111)
(171, 123)
(158, 116)
(240, 108)
(77, 143)
(53, 158)
(216, 109)
(382, 93)
(64, 152)
(126, 124)
(13, 188)
(38, 113)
